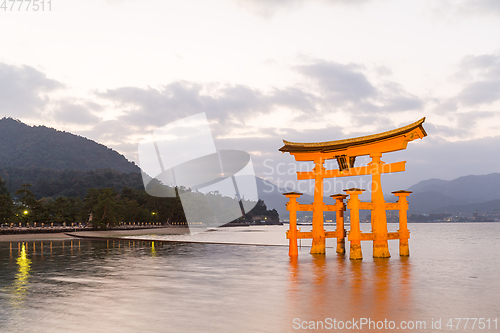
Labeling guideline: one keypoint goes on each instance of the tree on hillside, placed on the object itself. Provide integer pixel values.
(62, 209)
(104, 206)
(28, 208)
(6, 204)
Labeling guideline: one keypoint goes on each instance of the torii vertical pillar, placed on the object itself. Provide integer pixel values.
(404, 233)
(355, 232)
(318, 231)
(292, 207)
(379, 217)
(339, 202)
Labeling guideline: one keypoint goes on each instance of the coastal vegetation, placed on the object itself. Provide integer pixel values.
(107, 207)
(102, 207)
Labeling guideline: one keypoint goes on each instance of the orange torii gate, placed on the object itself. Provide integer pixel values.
(345, 152)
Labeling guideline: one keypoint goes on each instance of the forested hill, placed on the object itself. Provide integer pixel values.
(23, 146)
(67, 183)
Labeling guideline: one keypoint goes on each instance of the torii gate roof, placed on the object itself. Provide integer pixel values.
(346, 144)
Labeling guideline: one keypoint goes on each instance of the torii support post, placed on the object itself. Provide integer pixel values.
(318, 230)
(355, 232)
(292, 206)
(339, 202)
(404, 233)
(379, 217)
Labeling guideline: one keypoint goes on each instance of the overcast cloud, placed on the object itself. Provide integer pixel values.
(268, 8)
(482, 7)
(482, 74)
(24, 90)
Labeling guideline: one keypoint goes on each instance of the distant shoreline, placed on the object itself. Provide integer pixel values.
(60, 229)
(33, 237)
(94, 234)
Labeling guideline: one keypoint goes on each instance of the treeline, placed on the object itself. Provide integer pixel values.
(106, 207)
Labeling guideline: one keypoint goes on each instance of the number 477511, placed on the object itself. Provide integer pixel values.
(26, 5)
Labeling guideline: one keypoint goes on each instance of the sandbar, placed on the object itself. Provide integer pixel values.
(92, 234)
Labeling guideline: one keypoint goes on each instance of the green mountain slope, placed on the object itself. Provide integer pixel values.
(67, 183)
(23, 146)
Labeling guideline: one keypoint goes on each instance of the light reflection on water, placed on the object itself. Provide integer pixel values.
(20, 284)
(139, 286)
(344, 289)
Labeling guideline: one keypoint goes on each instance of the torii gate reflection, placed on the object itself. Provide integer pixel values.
(379, 289)
(345, 152)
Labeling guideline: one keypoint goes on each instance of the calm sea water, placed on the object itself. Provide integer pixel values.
(139, 286)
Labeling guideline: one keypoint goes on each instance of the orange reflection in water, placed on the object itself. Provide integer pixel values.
(335, 287)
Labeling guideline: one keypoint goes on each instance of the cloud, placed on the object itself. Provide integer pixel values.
(395, 98)
(347, 85)
(481, 76)
(438, 158)
(454, 11)
(481, 7)
(147, 106)
(383, 70)
(485, 65)
(23, 90)
(445, 131)
(481, 92)
(462, 125)
(339, 82)
(269, 8)
(243, 101)
(468, 120)
(228, 106)
(144, 107)
(342, 89)
(76, 113)
(231, 108)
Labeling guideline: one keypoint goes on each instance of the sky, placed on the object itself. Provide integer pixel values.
(263, 71)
